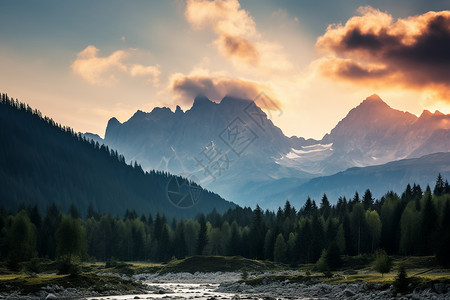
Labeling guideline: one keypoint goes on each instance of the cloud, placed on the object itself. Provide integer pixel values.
(217, 86)
(97, 70)
(238, 47)
(237, 37)
(377, 50)
(104, 71)
(152, 72)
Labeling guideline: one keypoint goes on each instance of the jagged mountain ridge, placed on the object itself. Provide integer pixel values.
(176, 141)
(392, 176)
(371, 134)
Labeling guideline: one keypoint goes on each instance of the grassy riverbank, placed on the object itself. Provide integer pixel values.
(90, 282)
(102, 277)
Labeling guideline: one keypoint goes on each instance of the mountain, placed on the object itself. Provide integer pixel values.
(92, 136)
(265, 161)
(392, 176)
(230, 147)
(371, 134)
(42, 162)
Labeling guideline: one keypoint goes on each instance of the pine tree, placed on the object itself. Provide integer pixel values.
(268, 245)
(235, 240)
(308, 207)
(70, 242)
(325, 207)
(439, 187)
(356, 198)
(367, 200)
(280, 249)
(408, 193)
(74, 212)
(202, 238)
(443, 247)
(401, 282)
(180, 246)
(47, 241)
(257, 234)
(427, 226)
(333, 256)
(288, 211)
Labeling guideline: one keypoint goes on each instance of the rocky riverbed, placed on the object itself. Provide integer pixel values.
(226, 285)
(286, 290)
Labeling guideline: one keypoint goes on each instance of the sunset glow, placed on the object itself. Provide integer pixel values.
(110, 59)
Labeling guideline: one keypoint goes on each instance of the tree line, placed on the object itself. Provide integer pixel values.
(414, 223)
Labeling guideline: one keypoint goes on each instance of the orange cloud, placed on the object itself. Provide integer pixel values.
(237, 37)
(98, 70)
(104, 71)
(216, 87)
(376, 50)
(152, 72)
(236, 46)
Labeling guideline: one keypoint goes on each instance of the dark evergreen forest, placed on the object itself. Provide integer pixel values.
(43, 162)
(415, 223)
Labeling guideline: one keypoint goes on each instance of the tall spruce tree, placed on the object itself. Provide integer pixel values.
(202, 238)
(428, 225)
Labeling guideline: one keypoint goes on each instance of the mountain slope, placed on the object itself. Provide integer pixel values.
(379, 179)
(372, 133)
(42, 162)
(227, 145)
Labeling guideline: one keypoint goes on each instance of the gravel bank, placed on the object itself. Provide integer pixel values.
(286, 290)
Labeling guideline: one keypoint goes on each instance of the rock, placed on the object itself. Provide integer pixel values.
(137, 297)
(415, 296)
(51, 297)
(440, 288)
(348, 293)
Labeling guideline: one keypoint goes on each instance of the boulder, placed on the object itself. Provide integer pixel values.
(348, 293)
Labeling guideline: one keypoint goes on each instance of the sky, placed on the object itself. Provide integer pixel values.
(84, 62)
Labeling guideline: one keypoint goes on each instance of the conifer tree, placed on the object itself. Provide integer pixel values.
(280, 249)
(202, 238)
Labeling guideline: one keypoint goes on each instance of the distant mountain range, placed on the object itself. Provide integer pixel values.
(392, 176)
(234, 149)
(42, 162)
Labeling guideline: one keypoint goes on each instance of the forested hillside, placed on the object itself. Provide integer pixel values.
(415, 223)
(42, 162)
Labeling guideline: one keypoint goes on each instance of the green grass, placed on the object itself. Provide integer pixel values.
(423, 271)
(220, 264)
(88, 281)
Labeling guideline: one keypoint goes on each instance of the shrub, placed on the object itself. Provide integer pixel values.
(244, 274)
(66, 266)
(322, 264)
(34, 265)
(330, 259)
(401, 282)
(383, 263)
